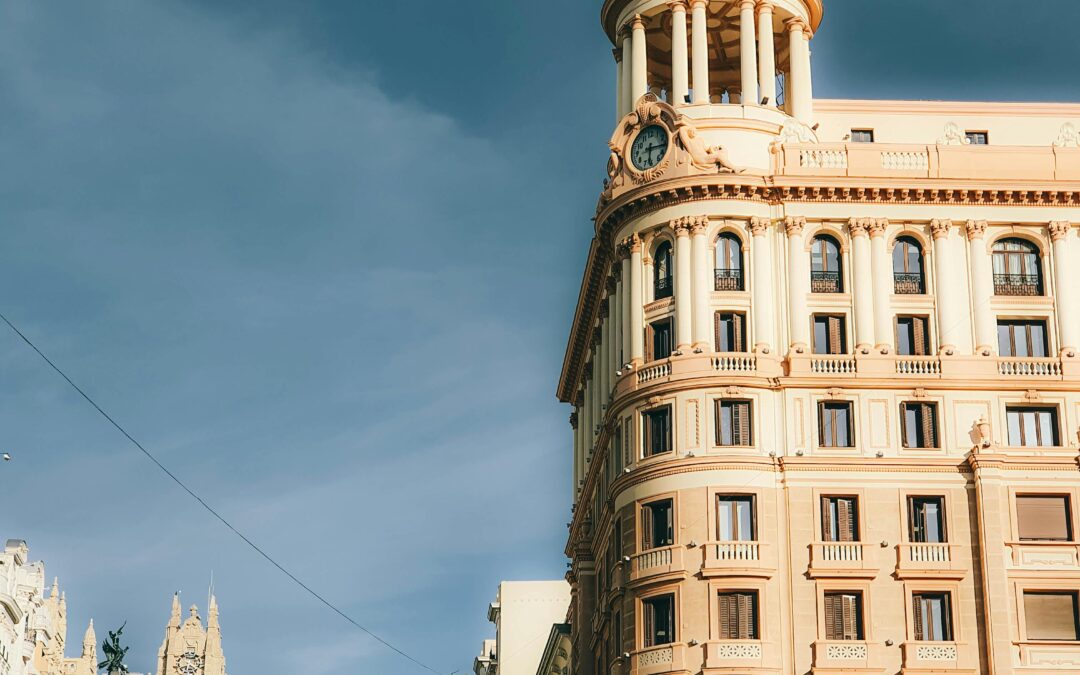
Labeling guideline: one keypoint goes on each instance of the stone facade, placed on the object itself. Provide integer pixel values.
(523, 613)
(825, 368)
(188, 647)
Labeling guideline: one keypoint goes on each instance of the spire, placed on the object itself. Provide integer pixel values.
(212, 619)
(174, 618)
(55, 593)
(89, 643)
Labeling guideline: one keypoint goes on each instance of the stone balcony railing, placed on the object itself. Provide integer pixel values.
(843, 655)
(744, 655)
(931, 561)
(743, 558)
(843, 559)
(658, 562)
(933, 656)
(1044, 555)
(669, 658)
(1055, 656)
(957, 162)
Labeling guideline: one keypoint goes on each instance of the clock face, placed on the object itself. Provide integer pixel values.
(189, 663)
(649, 147)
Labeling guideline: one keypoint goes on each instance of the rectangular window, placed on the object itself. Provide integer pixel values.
(834, 425)
(926, 516)
(657, 431)
(730, 332)
(658, 620)
(736, 518)
(1022, 339)
(657, 525)
(661, 339)
(912, 336)
(920, 425)
(839, 519)
(862, 135)
(977, 137)
(733, 423)
(739, 615)
(830, 334)
(1032, 427)
(843, 616)
(1044, 517)
(932, 616)
(1051, 616)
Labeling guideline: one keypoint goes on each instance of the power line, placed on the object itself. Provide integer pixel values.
(209, 508)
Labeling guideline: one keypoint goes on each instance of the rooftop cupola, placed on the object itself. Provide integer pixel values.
(701, 52)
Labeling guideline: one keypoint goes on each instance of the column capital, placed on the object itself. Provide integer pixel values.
(764, 6)
(574, 419)
(759, 226)
(633, 243)
(698, 225)
(747, 4)
(699, 3)
(637, 23)
(611, 284)
(878, 227)
(1059, 229)
(975, 229)
(617, 53)
(795, 25)
(794, 225)
(940, 228)
(681, 227)
(859, 227)
(677, 5)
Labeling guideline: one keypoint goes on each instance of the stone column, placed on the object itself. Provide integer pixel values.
(799, 90)
(637, 308)
(603, 374)
(628, 100)
(684, 275)
(1064, 287)
(948, 300)
(883, 286)
(982, 289)
(700, 37)
(639, 60)
(766, 53)
(620, 94)
(703, 284)
(627, 313)
(680, 78)
(798, 282)
(862, 283)
(615, 322)
(762, 285)
(748, 53)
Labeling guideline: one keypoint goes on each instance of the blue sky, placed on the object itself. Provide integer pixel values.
(321, 257)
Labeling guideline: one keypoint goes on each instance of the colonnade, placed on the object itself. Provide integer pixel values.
(757, 58)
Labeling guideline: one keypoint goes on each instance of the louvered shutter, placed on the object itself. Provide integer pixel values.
(740, 412)
(646, 528)
(835, 335)
(850, 605)
(746, 616)
(918, 329)
(738, 342)
(917, 616)
(727, 616)
(929, 429)
(648, 622)
(1043, 517)
(826, 519)
(670, 510)
(904, 440)
(650, 342)
(834, 617)
(846, 519)
(717, 327)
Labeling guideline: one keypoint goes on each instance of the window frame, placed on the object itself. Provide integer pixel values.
(825, 531)
(644, 522)
(828, 318)
(733, 253)
(752, 498)
(1070, 521)
(652, 330)
(971, 134)
(948, 615)
(647, 430)
(643, 638)
(755, 614)
(862, 611)
(738, 330)
(1047, 588)
(927, 346)
(822, 406)
(1055, 417)
(863, 135)
(1026, 324)
(822, 239)
(908, 243)
(667, 289)
(909, 509)
(718, 406)
(934, 424)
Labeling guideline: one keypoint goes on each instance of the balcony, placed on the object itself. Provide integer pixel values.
(670, 658)
(843, 655)
(1044, 555)
(664, 288)
(825, 282)
(745, 558)
(930, 561)
(658, 562)
(1051, 655)
(728, 280)
(932, 656)
(1018, 284)
(847, 559)
(918, 365)
(1029, 367)
(909, 284)
(833, 364)
(741, 654)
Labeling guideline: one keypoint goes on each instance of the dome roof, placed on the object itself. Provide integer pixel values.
(611, 10)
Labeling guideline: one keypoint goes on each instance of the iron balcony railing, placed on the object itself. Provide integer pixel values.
(728, 280)
(908, 284)
(1017, 284)
(825, 282)
(664, 288)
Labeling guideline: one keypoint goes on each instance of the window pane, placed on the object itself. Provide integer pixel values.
(1020, 337)
(911, 426)
(1038, 339)
(1005, 339)
(727, 520)
(821, 335)
(842, 439)
(726, 424)
(1047, 429)
(905, 337)
(1015, 436)
(745, 520)
(933, 522)
(1050, 616)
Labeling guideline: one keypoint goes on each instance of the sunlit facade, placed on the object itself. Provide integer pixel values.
(824, 368)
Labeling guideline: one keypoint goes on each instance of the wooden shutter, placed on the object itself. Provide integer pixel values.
(835, 335)
(850, 604)
(728, 616)
(846, 518)
(917, 616)
(826, 519)
(834, 617)
(822, 410)
(1050, 616)
(904, 440)
(929, 428)
(717, 326)
(918, 330)
(747, 621)
(648, 623)
(1043, 517)
(739, 341)
(628, 441)
(670, 510)
(740, 422)
(646, 528)
(650, 342)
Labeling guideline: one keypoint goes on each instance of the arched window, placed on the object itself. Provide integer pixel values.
(825, 276)
(1017, 268)
(729, 263)
(907, 263)
(662, 272)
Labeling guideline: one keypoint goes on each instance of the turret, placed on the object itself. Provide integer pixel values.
(89, 644)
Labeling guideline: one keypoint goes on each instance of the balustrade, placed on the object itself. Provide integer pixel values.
(728, 280)
(1018, 284)
(825, 282)
(908, 284)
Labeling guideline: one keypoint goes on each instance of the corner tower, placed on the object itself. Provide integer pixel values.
(824, 368)
(188, 648)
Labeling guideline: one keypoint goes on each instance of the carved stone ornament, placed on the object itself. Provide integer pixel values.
(1068, 137)
(939, 228)
(795, 131)
(976, 229)
(1059, 229)
(859, 226)
(759, 226)
(686, 155)
(954, 135)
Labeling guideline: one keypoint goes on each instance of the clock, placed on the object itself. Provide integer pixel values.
(649, 147)
(189, 663)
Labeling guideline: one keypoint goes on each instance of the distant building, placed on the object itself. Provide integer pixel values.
(555, 659)
(523, 614)
(190, 649)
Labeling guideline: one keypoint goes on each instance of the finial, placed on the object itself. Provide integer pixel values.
(55, 593)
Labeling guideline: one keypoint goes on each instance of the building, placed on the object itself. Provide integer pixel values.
(824, 368)
(523, 614)
(555, 659)
(188, 647)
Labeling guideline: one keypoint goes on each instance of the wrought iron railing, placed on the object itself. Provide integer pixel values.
(1017, 284)
(728, 280)
(908, 284)
(825, 282)
(664, 288)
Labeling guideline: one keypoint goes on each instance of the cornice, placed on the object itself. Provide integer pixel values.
(966, 108)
